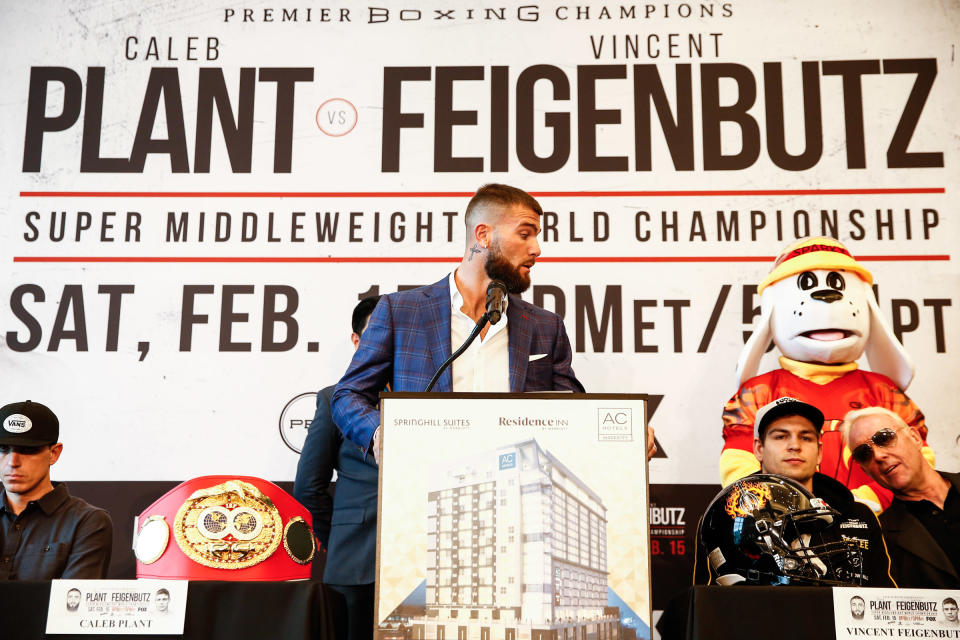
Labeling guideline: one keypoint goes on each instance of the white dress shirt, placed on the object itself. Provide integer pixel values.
(485, 366)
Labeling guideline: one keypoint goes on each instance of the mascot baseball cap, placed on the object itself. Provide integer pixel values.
(28, 424)
(782, 407)
(813, 253)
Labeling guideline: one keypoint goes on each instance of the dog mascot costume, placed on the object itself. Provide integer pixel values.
(818, 306)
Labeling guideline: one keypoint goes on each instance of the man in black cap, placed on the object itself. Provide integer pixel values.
(45, 533)
(787, 442)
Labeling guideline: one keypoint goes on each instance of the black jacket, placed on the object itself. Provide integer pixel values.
(347, 523)
(917, 559)
(857, 521)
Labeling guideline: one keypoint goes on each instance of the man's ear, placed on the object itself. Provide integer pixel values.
(55, 451)
(355, 340)
(914, 435)
(482, 234)
(758, 449)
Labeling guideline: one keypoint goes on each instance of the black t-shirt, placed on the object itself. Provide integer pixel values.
(943, 524)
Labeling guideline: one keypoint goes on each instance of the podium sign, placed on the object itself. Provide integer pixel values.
(513, 517)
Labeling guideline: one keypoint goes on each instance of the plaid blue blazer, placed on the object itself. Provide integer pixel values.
(408, 338)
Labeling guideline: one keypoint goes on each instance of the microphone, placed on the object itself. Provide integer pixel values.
(496, 295)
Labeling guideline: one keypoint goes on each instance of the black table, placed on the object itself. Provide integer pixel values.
(734, 613)
(215, 610)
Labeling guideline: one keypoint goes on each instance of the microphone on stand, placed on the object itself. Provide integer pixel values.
(496, 301)
(496, 295)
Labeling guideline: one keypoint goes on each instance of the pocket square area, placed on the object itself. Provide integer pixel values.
(537, 356)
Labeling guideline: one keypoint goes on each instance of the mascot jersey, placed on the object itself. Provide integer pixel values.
(834, 390)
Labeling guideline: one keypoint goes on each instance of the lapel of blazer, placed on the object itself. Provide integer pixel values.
(519, 332)
(436, 315)
(902, 527)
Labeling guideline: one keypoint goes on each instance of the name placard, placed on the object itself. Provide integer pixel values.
(896, 613)
(121, 607)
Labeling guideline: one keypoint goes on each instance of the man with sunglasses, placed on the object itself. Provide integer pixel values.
(922, 525)
(45, 533)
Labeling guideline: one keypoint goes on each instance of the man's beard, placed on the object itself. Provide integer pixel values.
(499, 268)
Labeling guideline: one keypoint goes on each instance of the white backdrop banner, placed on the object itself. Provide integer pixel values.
(194, 197)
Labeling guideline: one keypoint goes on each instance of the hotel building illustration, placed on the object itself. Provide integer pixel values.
(516, 550)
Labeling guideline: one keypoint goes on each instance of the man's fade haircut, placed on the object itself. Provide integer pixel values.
(500, 194)
(950, 601)
(361, 312)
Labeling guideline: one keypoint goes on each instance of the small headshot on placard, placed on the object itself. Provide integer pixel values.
(162, 601)
(73, 599)
(949, 608)
(857, 607)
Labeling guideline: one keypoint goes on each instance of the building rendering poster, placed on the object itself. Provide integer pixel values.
(513, 517)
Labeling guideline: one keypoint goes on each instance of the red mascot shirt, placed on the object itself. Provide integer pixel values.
(852, 390)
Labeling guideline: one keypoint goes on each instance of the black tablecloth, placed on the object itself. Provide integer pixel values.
(721, 613)
(215, 610)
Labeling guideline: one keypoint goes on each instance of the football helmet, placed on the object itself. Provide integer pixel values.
(767, 529)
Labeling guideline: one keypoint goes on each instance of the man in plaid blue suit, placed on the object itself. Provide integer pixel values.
(411, 333)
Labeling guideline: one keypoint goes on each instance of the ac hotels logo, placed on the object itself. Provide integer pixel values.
(615, 424)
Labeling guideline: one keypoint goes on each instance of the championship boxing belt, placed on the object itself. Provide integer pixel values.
(225, 528)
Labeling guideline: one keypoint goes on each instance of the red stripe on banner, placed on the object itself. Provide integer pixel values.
(468, 194)
(280, 259)
(408, 259)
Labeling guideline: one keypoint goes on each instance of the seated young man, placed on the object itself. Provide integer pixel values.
(787, 443)
(45, 533)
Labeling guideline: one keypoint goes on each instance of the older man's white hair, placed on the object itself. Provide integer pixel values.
(854, 416)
